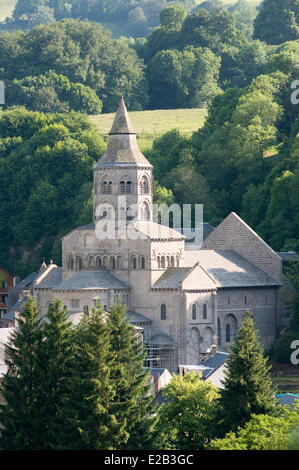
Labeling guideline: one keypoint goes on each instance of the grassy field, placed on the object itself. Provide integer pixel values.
(151, 124)
(6, 8)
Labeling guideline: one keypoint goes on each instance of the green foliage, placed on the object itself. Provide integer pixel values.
(90, 423)
(132, 402)
(247, 381)
(44, 172)
(20, 388)
(52, 93)
(277, 21)
(262, 432)
(185, 422)
(55, 371)
(85, 54)
(172, 16)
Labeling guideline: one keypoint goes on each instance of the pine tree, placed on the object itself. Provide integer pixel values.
(19, 415)
(132, 402)
(55, 366)
(91, 424)
(248, 386)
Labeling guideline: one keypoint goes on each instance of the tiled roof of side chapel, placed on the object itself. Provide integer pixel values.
(122, 145)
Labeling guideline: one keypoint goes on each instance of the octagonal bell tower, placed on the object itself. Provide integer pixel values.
(123, 176)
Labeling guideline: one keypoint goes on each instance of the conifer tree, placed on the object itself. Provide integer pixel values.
(248, 386)
(132, 402)
(55, 365)
(19, 416)
(91, 424)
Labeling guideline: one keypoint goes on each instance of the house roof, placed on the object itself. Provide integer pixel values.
(288, 399)
(214, 362)
(153, 230)
(27, 280)
(135, 317)
(17, 307)
(172, 278)
(155, 371)
(92, 280)
(51, 279)
(229, 269)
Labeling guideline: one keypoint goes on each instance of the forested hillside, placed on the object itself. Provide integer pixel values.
(244, 159)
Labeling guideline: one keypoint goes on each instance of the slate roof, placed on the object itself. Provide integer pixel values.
(288, 399)
(172, 278)
(214, 362)
(154, 231)
(122, 144)
(17, 307)
(51, 280)
(135, 317)
(155, 371)
(229, 269)
(27, 280)
(122, 123)
(92, 280)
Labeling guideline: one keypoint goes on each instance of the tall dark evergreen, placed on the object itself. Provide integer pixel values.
(90, 422)
(55, 367)
(21, 427)
(248, 386)
(132, 402)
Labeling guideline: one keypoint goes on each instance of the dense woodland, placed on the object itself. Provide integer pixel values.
(60, 63)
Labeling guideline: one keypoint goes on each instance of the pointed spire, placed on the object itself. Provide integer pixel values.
(122, 122)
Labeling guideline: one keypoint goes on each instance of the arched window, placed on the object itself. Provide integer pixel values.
(70, 264)
(144, 211)
(168, 261)
(112, 262)
(128, 187)
(134, 262)
(142, 262)
(177, 261)
(110, 187)
(230, 328)
(122, 187)
(227, 333)
(163, 312)
(78, 263)
(194, 312)
(105, 187)
(163, 262)
(172, 262)
(144, 186)
(99, 261)
(205, 311)
(245, 300)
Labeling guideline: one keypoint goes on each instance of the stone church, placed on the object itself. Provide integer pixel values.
(183, 299)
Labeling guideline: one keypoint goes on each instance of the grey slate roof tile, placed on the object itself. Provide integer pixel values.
(229, 269)
(52, 280)
(92, 280)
